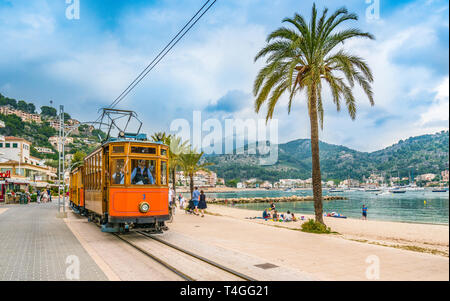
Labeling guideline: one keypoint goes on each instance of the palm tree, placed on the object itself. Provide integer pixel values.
(190, 164)
(160, 137)
(302, 59)
(176, 148)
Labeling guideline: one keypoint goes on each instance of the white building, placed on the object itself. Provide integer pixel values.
(44, 150)
(201, 179)
(17, 149)
(426, 177)
(55, 139)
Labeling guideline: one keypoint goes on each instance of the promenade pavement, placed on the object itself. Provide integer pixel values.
(35, 245)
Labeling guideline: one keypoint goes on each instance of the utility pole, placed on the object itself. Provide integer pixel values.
(61, 162)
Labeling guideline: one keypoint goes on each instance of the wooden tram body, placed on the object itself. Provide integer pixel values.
(123, 185)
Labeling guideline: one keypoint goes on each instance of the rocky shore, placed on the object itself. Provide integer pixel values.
(285, 199)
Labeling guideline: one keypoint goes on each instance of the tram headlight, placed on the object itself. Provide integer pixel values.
(144, 207)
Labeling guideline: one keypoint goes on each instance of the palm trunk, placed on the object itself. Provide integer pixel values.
(316, 175)
(174, 184)
(191, 185)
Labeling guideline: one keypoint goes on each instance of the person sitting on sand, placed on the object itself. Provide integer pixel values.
(288, 217)
(266, 214)
(275, 215)
(294, 219)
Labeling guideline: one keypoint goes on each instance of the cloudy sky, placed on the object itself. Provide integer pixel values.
(85, 64)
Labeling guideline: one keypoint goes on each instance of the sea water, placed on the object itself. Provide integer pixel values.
(413, 206)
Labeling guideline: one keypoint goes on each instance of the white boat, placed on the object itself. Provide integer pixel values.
(335, 190)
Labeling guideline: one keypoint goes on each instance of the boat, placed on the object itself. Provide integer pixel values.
(372, 190)
(397, 190)
(335, 190)
(440, 190)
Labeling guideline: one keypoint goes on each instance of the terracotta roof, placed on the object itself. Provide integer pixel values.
(11, 138)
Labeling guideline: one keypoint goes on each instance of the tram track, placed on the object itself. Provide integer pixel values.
(184, 252)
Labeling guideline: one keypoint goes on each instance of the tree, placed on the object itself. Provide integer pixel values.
(48, 111)
(301, 60)
(31, 108)
(22, 105)
(160, 137)
(78, 159)
(176, 148)
(190, 164)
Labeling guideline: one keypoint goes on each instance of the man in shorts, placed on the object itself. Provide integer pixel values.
(195, 199)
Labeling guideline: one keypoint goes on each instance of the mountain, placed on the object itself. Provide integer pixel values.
(416, 155)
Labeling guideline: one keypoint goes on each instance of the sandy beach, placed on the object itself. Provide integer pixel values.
(421, 237)
(401, 251)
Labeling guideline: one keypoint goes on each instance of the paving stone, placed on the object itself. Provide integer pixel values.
(34, 246)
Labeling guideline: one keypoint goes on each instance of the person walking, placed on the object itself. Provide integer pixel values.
(182, 201)
(202, 203)
(364, 212)
(195, 199)
(49, 194)
(38, 196)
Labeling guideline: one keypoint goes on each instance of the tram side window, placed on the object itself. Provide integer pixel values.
(163, 173)
(143, 150)
(144, 172)
(118, 172)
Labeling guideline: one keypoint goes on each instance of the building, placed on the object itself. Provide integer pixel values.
(24, 174)
(426, 177)
(54, 141)
(349, 183)
(293, 183)
(16, 149)
(444, 176)
(201, 179)
(44, 150)
(26, 117)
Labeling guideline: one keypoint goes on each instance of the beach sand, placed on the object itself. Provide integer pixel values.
(433, 238)
(350, 255)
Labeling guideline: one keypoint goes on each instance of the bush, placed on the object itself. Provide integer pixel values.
(312, 226)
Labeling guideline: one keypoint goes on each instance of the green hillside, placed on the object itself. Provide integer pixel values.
(38, 134)
(417, 155)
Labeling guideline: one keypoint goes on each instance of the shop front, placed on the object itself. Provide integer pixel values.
(4, 176)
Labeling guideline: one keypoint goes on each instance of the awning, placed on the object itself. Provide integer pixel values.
(18, 181)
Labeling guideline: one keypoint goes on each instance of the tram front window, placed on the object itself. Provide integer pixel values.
(143, 172)
(163, 173)
(118, 172)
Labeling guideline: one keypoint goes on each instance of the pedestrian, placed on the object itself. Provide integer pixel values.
(49, 194)
(182, 201)
(38, 196)
(195, 199)
(202, 203)
(364, 212)
(171, 199)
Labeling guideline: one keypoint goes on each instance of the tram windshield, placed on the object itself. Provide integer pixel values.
(118, 172)
(163, 173)
(143, 172)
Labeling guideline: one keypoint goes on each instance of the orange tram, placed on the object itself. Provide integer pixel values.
(123, 185)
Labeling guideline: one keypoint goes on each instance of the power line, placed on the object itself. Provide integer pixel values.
(163, 53)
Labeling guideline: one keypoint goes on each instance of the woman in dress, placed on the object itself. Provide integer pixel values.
(202, 203)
